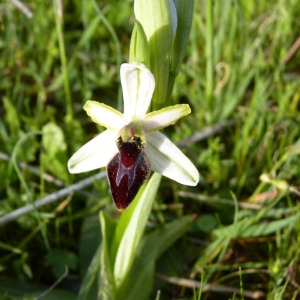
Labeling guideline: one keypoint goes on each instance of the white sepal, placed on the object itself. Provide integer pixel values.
(167, 159)
(138, 85)
(162, 118)
(95, 154)
(104, 115)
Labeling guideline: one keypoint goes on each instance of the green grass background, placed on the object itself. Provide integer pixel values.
(241, 69)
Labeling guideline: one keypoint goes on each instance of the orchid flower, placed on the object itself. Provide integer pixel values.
(132, 146)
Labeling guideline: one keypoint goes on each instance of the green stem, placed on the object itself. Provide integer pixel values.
(57, 6)
(118, 48)
(84, 17)
(209, 86)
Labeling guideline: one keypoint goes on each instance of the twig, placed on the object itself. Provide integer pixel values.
(33, 170)
(63, 276)
(219, 200)
(50, 198)
(21, 6)
(206, 132)
(218, 288)
(292, 51)
(203, 134)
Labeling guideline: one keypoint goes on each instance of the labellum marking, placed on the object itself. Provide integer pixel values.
(127, 171)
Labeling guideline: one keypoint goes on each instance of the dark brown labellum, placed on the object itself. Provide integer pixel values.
(127, 171)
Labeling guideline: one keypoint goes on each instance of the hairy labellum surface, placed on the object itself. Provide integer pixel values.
(127, 171)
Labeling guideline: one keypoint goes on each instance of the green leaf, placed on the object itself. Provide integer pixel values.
(89, 286)
(139, 281)
(54, 156)
(139, 47)
(107, 282)
(206, 223)
(138, 285)
(85, 37)
(58, 259)
(266, 228)
(250, 228)
(12, 115)
(161, 239)
(131, 228)
(90, 235)
(5, 246)
(12, 288)
(53, 139)
(184, 16)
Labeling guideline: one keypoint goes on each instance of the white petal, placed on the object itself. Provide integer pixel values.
(166, 159)
(95, 154)
(104, 115)
(159, 119)
(138, 85)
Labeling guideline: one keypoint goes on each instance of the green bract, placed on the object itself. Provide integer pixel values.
(166, 25)
(139, 47)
